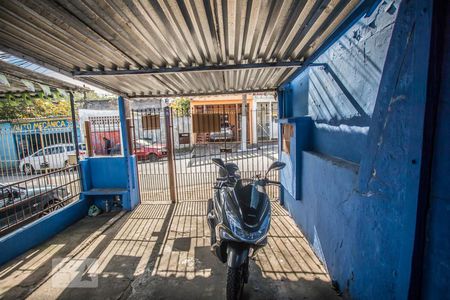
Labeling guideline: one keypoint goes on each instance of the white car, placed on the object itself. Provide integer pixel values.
(51, 157)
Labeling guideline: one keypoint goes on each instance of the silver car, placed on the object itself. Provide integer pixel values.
(21, 203)
(225, 133)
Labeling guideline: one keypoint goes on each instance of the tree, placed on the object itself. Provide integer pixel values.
(33, 106)
(181, 106)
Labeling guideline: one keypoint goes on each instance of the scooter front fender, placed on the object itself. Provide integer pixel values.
(236, 255)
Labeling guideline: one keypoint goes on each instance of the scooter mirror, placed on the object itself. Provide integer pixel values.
(277, 165)
(223, 172)
(218, 162)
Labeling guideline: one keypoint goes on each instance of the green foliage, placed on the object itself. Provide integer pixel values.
(181, 106)
(27, 106)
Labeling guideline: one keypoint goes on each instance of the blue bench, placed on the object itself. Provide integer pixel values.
(105, 192)
(98, 193)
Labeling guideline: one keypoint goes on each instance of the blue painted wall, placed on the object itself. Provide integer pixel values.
(111, 172)
(359, 178)
(10, 135)
(33, 234)
(437, 252)
(326, 212)
(8, 155)
(300, 141)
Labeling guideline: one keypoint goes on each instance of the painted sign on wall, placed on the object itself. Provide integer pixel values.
(39, 125)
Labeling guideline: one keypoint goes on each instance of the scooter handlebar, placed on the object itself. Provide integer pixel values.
(273, 182)
(224, 179)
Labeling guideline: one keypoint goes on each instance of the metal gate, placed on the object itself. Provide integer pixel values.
(174, 147)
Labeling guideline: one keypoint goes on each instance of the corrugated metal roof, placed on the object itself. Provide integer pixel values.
(15, 75)
(101, 37)
(22, 63)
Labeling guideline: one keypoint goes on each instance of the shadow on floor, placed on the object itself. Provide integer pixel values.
(27, 271)
(161, 251)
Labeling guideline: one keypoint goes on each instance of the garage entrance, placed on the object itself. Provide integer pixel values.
(174, 147)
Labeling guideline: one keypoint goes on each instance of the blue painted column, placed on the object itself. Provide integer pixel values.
(132, 172)
(123, 126)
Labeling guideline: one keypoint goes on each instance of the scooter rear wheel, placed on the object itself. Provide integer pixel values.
(235, 283)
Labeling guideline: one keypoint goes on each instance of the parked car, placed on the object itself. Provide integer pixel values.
(18, 203)
(225, 133)
(145, 150)
(50, 157)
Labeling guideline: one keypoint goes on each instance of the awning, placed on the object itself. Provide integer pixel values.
(19, 80)
(167, 47)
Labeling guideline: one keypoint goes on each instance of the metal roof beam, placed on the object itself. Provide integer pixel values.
(195, 94)
(171, 70)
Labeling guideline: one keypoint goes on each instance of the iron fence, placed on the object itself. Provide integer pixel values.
(38, 169)
(27, 200)
(197, 136)
(103, 136)
(150, 147)
(27, 153)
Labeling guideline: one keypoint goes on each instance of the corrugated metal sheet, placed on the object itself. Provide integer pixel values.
(113, 34)
(15, 74)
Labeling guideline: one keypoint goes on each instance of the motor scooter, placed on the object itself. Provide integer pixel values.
(239, 219)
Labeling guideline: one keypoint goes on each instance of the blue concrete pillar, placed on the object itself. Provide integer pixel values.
(123, 126)
(131, 163)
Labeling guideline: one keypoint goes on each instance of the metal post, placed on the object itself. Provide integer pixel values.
(87, 138)
(244, 123)
(170, 153)
(43, 149)
(271, 119)
(129, 133)
(123, 127)
(254, 116)
(74, 127)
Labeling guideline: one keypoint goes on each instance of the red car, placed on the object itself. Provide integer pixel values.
(147, 151)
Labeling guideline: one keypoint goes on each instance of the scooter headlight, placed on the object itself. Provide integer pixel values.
(241, 233)
(225, 235)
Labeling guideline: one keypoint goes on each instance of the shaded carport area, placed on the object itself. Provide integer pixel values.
(160, 252)
(166, 49)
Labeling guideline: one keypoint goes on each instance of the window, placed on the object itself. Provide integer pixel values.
(70, 148)
(48, 151)
(54, 150)
(39, 153)
(58, 150)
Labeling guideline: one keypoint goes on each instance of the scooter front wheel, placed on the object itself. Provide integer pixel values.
(235, 283)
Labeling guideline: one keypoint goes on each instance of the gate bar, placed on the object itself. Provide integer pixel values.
(170, 153)
(87, 138)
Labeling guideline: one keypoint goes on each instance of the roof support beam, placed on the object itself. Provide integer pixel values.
(171, 70)
(194, 94)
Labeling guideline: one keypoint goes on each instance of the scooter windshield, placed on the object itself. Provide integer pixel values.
(254, 203)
